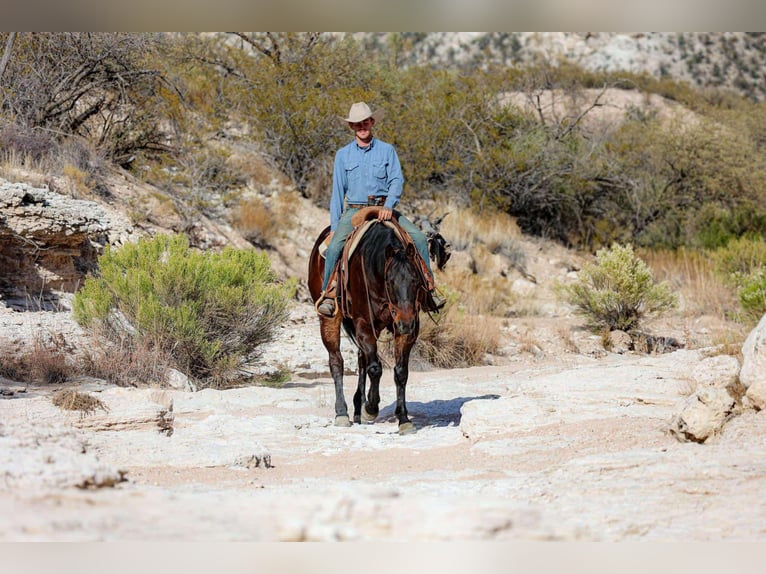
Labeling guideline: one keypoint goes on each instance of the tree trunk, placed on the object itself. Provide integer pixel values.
(7, 53)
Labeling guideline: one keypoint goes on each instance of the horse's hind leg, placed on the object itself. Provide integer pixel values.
(330, 330)
(360, 387)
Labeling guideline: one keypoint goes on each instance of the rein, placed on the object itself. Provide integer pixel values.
(389, 303)
(367, 292)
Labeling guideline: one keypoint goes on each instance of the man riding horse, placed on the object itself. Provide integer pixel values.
(366, 172)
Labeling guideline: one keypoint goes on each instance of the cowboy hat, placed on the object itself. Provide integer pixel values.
(360, 112)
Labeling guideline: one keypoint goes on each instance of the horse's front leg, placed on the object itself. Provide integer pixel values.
(369, 347)
(330, 330)
(360, 386)
(401, 374)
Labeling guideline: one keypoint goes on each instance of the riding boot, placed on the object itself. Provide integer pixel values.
(437, 301)
(326, 303)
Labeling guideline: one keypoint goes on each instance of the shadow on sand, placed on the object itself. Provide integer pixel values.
(436, 413)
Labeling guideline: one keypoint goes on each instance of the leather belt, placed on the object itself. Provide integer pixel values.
(371, 200)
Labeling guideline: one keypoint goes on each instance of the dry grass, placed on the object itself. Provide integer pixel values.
(264, 223)
(464, 228)
(255, 221)
(23, 168)
(78, 181)
(256, 170)
(567, 340)
(48, 361)
(691, 274)
(72, 400)
(125, 362)
(476, 294)
(458, 340)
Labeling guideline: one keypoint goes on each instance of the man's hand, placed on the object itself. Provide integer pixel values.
(385, 214)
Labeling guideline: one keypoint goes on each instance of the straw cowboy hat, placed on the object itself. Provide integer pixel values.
(360, 112)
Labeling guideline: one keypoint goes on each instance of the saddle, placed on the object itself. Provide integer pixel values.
(362, 220)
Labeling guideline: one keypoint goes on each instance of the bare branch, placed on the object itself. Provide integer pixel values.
(7, 53)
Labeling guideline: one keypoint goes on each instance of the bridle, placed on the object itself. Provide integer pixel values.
(389, 303)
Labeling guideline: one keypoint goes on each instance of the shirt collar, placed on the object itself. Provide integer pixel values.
(368, 147)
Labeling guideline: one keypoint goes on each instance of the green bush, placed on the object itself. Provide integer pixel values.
(752, 295)
(207, 311)
(618, 291)
(739, 259)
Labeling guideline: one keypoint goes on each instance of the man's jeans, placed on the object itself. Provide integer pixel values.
(344, 229)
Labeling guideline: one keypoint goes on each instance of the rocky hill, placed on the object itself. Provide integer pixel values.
(730, 60)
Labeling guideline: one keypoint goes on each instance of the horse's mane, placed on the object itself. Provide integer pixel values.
(375, 244)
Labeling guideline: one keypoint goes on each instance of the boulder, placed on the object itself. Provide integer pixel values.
(703, 415)
(753, 372)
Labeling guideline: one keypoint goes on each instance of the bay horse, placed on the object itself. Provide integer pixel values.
(384, 288)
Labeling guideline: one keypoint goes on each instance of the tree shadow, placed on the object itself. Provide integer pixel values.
(436, 413)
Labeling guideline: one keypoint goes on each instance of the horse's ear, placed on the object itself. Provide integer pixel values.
(410, 250)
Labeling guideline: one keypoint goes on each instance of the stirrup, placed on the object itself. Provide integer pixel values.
(327, 307)
(437, 301)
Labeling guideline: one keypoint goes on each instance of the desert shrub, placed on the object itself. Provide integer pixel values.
(102, 86)
(255, 221)
(208, 311)
(742, 264)
(37, 145)
(617, 292)
(292, 87)
(739, 258)
(457, 340)
(752, 295)
(263, 223)
(717, 226)
(124, 360)
(48, 360)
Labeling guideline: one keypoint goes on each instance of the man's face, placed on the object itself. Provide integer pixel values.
(362, 129)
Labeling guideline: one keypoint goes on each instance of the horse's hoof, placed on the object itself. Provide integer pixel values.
(342, 421)
(367, 418)
(407, 428)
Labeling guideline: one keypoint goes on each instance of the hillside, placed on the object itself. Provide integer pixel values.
(731, 60)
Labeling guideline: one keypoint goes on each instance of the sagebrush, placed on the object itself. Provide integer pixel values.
(617, 292)
(207, 311)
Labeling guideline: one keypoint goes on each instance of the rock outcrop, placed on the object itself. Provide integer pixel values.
(753, 373)
(49, 242)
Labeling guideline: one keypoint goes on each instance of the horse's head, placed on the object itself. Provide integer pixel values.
(403, 287)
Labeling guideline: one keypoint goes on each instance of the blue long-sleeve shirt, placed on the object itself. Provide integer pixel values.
(360, 172)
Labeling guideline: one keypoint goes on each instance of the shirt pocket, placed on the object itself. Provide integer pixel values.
(353, 172)
(380, 171)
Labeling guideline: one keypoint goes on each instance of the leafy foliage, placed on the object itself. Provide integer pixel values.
(293, 87)
(618, 291)
(208, 311)
(752, 294)
(740, 258)
(742, 264)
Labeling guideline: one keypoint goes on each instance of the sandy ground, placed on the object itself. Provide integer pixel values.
(561, 447)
